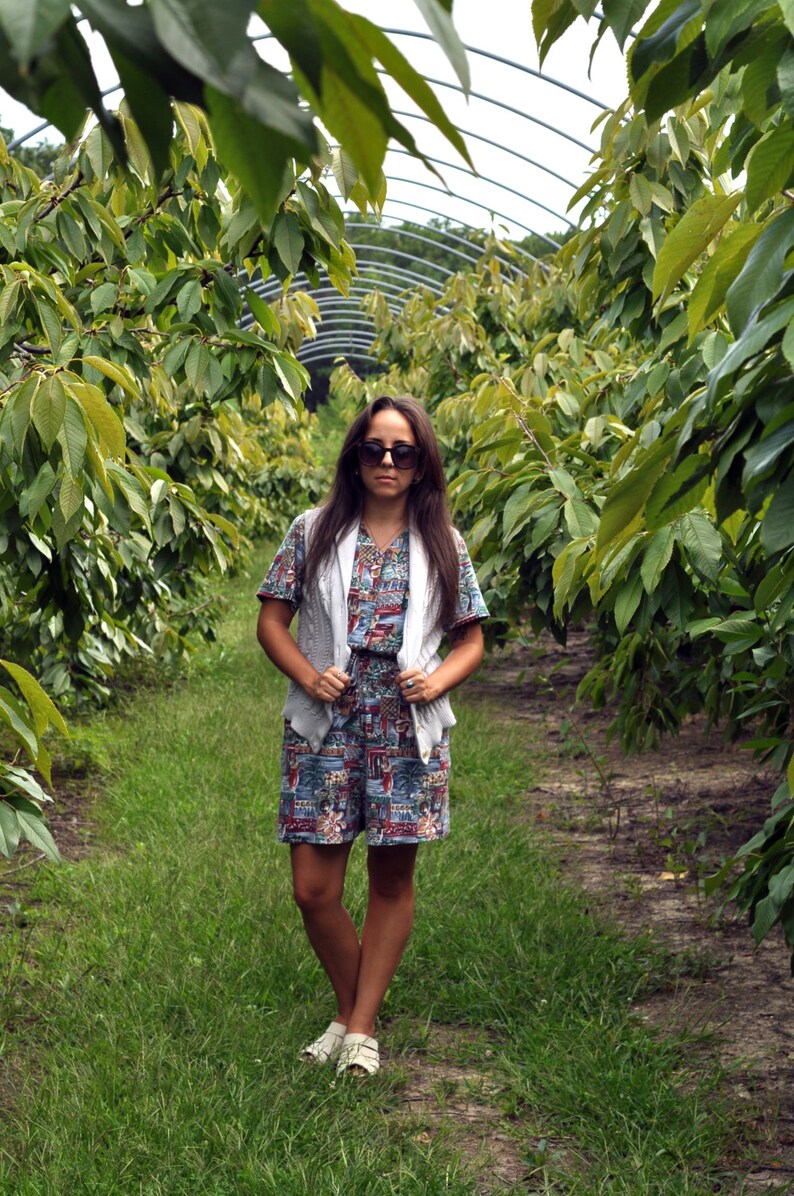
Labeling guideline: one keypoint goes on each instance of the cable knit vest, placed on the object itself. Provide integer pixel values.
(322, 638)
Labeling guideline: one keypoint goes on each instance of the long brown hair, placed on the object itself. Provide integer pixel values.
(427, 504)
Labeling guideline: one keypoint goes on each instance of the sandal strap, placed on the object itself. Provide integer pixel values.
(359, 1050)
(326, 1048)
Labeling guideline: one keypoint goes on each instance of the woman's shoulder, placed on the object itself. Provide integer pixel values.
(460, 543)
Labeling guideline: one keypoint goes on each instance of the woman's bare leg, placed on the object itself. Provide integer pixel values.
(390, 915)
(318, 877)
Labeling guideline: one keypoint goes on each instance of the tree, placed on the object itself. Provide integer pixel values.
(201, 53)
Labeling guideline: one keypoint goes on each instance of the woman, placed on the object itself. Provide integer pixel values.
(379, 574)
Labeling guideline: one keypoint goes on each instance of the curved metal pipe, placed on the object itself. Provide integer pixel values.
(406, 203)
(396, 178)
(398, 272)
(493, 182)
(442, 232)
(528, 70)
(326, 355)
(535, 120)
(496, 145)
(414, 237)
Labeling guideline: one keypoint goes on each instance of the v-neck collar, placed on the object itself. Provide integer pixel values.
(386, 547)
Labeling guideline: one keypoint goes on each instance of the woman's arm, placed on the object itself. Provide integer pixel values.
(272, 631)
(463, 658)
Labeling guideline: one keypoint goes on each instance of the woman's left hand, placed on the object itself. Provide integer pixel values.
(416, 686)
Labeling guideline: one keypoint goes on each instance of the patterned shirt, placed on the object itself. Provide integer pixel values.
(378, 593)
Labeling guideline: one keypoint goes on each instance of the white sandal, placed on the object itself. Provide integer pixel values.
(326, 1048)
(358, 1052)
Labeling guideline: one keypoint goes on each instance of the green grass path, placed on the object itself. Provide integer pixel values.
(155, 1014)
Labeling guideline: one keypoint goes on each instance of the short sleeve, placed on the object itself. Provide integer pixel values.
(284, 578)
(471, 606)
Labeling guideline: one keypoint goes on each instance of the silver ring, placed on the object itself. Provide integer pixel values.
(339, 674)
(409, 685)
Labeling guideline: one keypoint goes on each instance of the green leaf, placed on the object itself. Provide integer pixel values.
(787, 9)
(739, 631)
(288, 240)
(786, 81)
(517, 505)
(718, 274)
(263, 313)
(760, 457)
(777, 525)
(70, 498)
(579, 519)
(50, 322)
(9, 298)
(104, 419)
(628, 599)
(755, 337)
(410, 80)
(626, 498)
(770, 165)
(677, 492)
(258, 156)
(641, 194)
(622, 16)
(117, 373)
(9, 829)
(550, 19)
(73, 438)
(691, 236)
(440, 25)
(344, 171)
(150, 106)
(188, 299)
(76, 88)
(18, 720)
(42, 707)
(47, 410)
(702, 541)
(352, 122)
(762, 273)
(29, 23)
(656, 557)
(660, 43)
(31, 499)
(34, 828)
(197, 364)
(104, 297)
(760, 74)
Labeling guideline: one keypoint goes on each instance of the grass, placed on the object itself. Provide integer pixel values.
(155, 1011)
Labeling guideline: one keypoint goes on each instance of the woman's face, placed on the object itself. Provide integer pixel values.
(390, 428)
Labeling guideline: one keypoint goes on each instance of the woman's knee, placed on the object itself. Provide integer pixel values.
(312, 896)
(391, 873)
(318, 877)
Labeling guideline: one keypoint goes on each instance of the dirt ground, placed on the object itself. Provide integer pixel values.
(637, 832)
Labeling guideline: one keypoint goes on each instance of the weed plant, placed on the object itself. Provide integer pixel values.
(154, 1017)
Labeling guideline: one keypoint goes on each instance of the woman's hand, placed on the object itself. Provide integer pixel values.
(329, 685)
(417, 687)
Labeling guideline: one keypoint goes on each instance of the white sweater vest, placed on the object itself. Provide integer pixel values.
(322, 638)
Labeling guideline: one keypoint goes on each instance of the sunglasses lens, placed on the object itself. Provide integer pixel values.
(371, 452)
(404, 456)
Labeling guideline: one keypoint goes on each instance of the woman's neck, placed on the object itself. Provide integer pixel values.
(384, 511)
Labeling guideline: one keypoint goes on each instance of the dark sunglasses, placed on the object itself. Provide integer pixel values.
(404, 456)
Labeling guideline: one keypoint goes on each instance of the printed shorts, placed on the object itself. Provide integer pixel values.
(368, 775)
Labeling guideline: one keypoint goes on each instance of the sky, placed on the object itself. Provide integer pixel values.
(522, 197)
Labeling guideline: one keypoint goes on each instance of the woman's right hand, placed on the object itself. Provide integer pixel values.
(329, 685)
